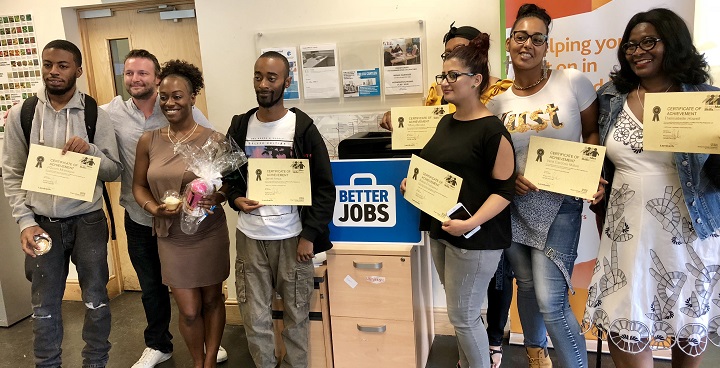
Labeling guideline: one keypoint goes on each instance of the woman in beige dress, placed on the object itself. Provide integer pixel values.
(193, 266)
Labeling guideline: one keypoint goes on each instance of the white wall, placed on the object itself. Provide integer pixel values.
(706, 40)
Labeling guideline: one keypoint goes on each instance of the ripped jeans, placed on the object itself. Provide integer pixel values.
(262, 266)
(82, 239)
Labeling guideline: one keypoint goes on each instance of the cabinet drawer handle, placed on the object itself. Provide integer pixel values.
(367, 265)
(382, 328)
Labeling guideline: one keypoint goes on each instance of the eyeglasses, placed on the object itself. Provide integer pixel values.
(647, 44)
(451, 76)
(537, 39)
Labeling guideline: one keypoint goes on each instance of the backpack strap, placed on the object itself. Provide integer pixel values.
(91, 112)
(27, 113)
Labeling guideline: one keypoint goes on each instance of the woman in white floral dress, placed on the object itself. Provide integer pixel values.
(655, 280)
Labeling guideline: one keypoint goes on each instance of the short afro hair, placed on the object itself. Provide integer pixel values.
(67, 46)
(186, 70)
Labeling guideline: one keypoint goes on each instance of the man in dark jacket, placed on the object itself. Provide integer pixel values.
(276, 244)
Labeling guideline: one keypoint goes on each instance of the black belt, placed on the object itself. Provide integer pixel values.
(41, 218)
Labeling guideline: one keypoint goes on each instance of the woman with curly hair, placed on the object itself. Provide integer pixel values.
(655, 282)
(193, 266)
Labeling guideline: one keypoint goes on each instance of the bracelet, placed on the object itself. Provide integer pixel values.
(222, 194)
(145, 204)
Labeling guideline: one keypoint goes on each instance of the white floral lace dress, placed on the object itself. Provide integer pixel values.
(655, 282)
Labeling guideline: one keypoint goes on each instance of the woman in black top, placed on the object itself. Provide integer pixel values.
(473, 144)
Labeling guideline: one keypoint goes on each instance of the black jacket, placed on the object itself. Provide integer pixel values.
(307, 143)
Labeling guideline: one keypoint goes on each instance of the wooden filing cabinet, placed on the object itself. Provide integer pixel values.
(380, 305)
(319, 342)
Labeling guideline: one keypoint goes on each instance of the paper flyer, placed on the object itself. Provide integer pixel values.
(402, 66)
(19, 60)
(361, 82)
(320, 72)
(292, 92)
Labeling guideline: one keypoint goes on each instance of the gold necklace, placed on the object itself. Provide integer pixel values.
(181, 140)
(637, 92)
(542, 78)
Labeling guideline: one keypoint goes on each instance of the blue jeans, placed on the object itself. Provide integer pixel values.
(542, 295)
(143, 251)
(465, 274)
(82, 239)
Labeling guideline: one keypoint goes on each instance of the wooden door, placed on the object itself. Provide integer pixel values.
(167, 40)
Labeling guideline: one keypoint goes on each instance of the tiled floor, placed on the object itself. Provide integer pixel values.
(129, 322)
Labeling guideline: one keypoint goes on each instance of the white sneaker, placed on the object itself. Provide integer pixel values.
(151, 357)
(222, 355)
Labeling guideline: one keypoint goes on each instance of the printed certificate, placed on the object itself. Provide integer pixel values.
(682, 122)
(432, 189)
(279, 181)
(564, 167)
(414, 126)
(72, 175)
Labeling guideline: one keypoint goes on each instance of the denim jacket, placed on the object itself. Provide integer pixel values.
(702, 197)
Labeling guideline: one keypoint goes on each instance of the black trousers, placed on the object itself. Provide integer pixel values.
(143, 250)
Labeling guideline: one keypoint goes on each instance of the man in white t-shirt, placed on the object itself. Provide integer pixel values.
(276, 244)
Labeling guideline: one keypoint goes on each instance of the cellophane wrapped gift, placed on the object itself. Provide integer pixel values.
(216, 157)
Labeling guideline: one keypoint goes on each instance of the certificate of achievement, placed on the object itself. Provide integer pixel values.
(432, 189)
(72, 175)
(682, 122)
(564, 167)
(414, 126)
(279, 181)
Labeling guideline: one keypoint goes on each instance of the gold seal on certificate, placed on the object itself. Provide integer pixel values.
(279, 181)
(432, 189)
(414, 126)
(682, 122)
(72, 175)
(564, 167)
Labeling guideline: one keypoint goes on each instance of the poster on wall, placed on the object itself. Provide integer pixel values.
(19, 61)
(292, 92)
(320, 72)
(402, 66)
(585, 34)
(361, 82)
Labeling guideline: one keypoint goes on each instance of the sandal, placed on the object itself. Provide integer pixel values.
(495, 361)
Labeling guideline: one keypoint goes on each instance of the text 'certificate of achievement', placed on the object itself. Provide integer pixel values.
(414, 126)
(72, 175)
(279, 181)
(564, 167)
(682, 122)
(432, 189)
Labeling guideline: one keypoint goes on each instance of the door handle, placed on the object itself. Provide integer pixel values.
(367, 265)
(380, 329)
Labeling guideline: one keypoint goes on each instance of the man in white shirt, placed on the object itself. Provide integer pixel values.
(275, 244)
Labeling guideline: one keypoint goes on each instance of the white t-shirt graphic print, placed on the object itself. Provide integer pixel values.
(270, 140)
